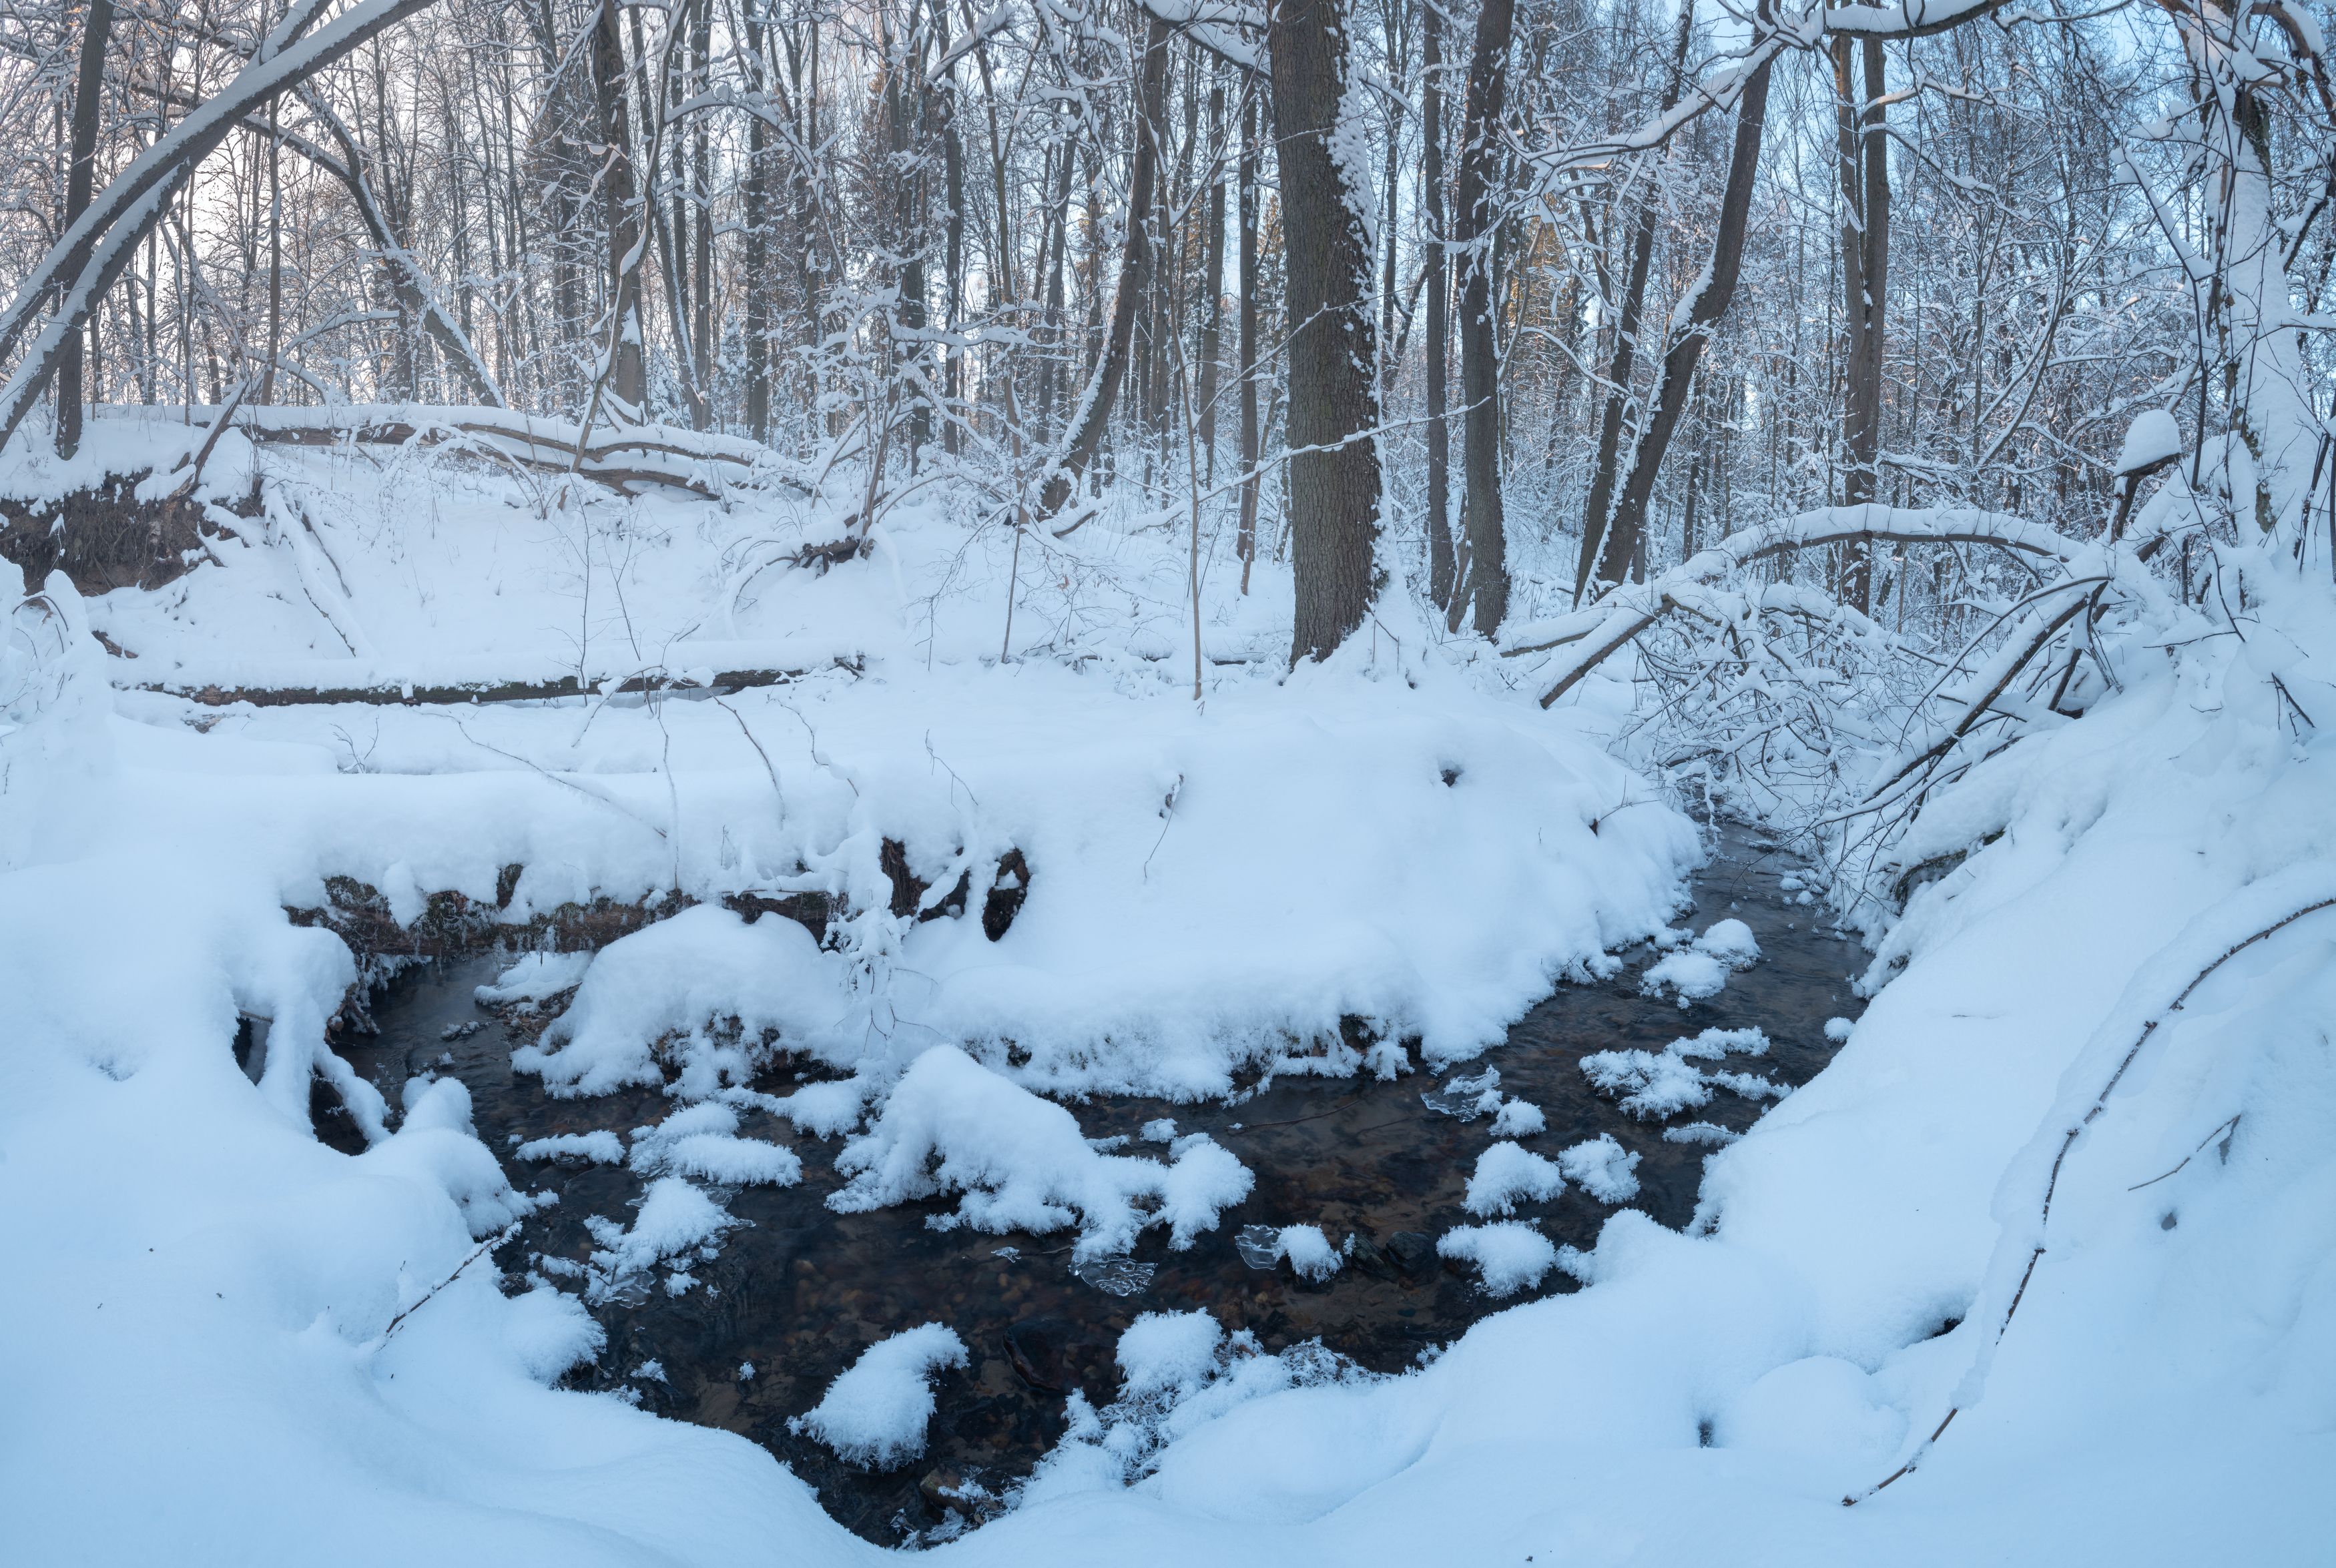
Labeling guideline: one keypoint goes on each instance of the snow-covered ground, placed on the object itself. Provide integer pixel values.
(226, 1342)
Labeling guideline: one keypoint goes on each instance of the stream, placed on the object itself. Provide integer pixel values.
(800, 1291)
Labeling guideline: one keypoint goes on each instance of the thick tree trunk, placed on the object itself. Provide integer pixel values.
(629, 372)
(1134, 278)
(89, 83)
(1440, 561)
(701, 183)
(1334, 464)
(1485, 583)
(1706, 303)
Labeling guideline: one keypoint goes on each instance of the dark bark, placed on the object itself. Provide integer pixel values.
(1246, 178)
(1597, 514)
(629, 370)
(757, 216)
(88, 83)
(1485, 582)
(701, 184)
(1706, 302)
(1134, 277)
(1440, 560)
(1864, 168)
(1212, 276)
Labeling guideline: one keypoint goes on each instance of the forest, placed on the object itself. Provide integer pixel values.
(1452, 780)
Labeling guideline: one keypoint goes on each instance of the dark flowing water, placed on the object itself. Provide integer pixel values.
(801, 1291)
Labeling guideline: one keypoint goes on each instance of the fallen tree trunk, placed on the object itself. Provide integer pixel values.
(703, 464)
(408, 694)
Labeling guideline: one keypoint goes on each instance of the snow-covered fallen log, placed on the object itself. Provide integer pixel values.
(490, 678)
(704, 464)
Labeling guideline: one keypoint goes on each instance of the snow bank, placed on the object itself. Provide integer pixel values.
(875, 1412)
(952, 1126)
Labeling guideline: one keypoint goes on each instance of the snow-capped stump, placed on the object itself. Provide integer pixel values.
(1506, 1174)
(1509, 1255)
(875, 1412)
(1604, 1168)
(1701, 971)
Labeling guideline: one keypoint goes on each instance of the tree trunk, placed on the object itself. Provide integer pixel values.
(629, 372)
(1246, 177)
(757, 216)
(1212, 275)
(1334, 464)
(1134, 277)
(1864, 163)
(89, 83)
(1440, 561)
(1597, 514)
(1706, 303)
(1486, 583)
(701, 184)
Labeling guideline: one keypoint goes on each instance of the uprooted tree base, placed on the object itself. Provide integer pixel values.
(454, 925)
(104, 536)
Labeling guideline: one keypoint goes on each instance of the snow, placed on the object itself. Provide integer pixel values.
(2161, 1394)
(875, 1412)
(1652, 1085)
(537, 977)
(1510, 1255)
(1602, 1167)
(598, 1146)
(1169, 1351)
(1311, 1256)
(1699, 972)
(2151, 439)
(951, 1125)
(702, 1142)
(1519, 1119)
(1506, 1174)
(674, 1220)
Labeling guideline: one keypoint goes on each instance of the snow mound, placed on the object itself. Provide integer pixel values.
(1602, 1167)
(1510, 1255)
(952, 1126)
(874, 1413)
(1700, 972)
(675, 1218)
(1655, 1084)
(1519, 1119)
(1507, 1174)
(705, 986)
(701, 1142)
(598, 1146)
(1309, 1252)
(537, 977)
(1169, 1351)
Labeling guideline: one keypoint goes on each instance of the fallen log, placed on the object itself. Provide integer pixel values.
(407, 694)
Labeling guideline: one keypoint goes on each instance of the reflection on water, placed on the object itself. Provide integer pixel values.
(796, 1294)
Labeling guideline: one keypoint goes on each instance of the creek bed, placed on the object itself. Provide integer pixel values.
(799, 1292)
